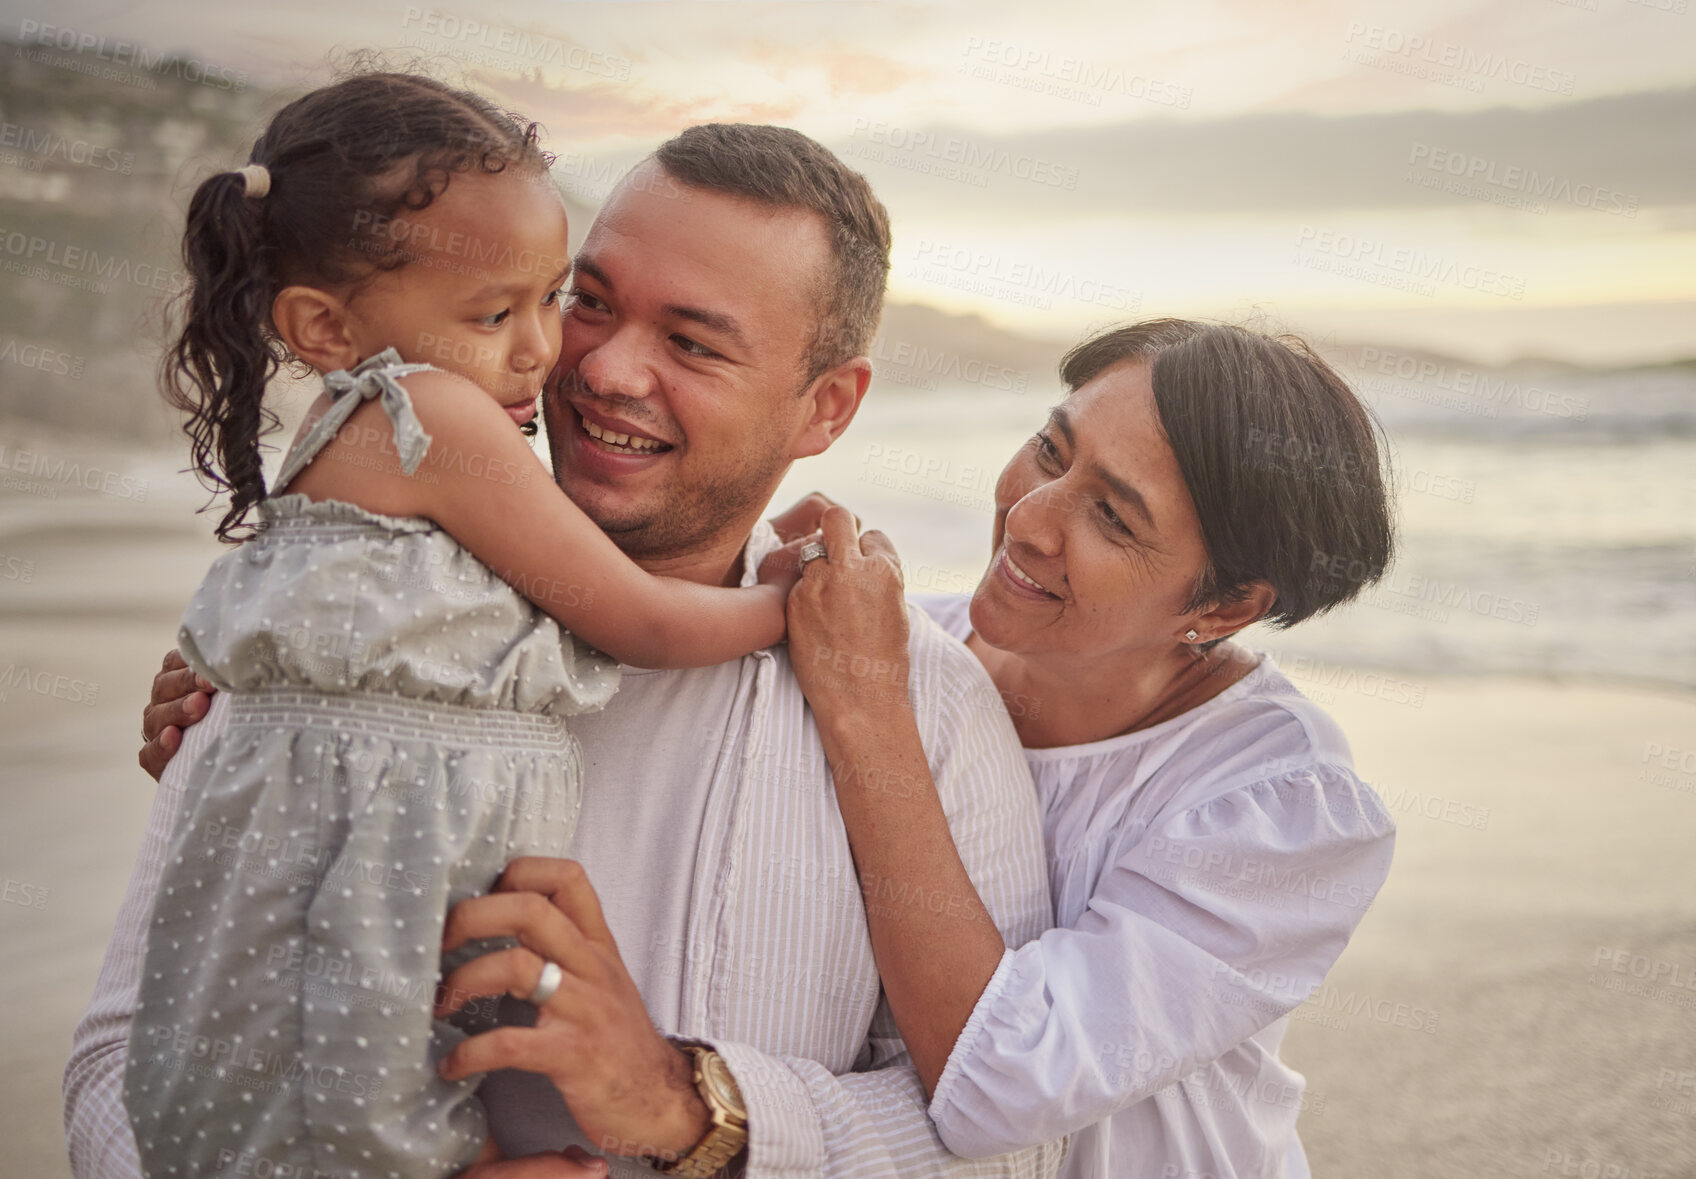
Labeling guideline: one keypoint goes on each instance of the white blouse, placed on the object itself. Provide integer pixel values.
(1206, 872)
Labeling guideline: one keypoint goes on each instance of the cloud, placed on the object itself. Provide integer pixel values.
(1639, 145)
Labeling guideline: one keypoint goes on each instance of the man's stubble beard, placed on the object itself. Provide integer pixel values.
(690, 515)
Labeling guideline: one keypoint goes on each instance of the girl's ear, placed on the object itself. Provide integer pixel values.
(313, 323)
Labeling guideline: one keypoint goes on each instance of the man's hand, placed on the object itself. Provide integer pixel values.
(631, 1090)
(572, 1163)
(180, 698)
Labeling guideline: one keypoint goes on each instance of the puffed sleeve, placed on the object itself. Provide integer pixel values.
(1209, 925)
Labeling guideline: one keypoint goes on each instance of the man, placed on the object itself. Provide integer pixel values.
(724, 302)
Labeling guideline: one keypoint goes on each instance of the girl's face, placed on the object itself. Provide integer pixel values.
(480, 293)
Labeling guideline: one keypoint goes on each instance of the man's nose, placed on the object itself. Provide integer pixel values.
(618, 367)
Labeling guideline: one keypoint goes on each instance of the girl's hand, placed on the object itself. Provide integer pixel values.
(782, 566)
(802, 518)
(848, 624)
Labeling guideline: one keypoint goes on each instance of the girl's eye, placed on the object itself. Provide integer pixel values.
(553, 296)
(693, 347)
(496, 319)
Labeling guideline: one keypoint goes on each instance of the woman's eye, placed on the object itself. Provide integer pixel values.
(693, 347)
(496, 319)
(1112, 518)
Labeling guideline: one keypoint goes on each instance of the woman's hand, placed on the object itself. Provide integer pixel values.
(848, 622)
(802, 518)
(848, 646)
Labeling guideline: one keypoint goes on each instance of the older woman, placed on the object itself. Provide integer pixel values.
(1210, 847)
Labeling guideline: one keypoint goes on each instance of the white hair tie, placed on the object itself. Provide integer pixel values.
(255, 180)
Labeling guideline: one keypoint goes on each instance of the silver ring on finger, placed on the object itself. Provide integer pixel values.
(813, 551)
(552, 976)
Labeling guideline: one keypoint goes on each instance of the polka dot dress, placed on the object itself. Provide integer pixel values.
(397, 734)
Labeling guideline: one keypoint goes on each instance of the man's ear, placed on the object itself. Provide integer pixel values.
(835, 398)
(1227, 618)
(313, 323)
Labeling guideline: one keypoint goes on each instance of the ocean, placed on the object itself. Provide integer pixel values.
(1546, 528)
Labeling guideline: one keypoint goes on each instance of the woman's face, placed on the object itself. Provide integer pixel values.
(1094, 511)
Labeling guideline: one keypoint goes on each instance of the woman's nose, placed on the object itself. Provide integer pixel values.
(1035, 518)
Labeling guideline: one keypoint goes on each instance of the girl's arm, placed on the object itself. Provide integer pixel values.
(482, 483)
(848, 644)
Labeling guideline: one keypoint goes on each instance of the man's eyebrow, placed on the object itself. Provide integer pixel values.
(585, 265)
(1119, 487)
(717, 321)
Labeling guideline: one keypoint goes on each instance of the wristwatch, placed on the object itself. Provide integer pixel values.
(729, 1131)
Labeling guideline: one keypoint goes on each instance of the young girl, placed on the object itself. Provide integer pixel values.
(397, 689)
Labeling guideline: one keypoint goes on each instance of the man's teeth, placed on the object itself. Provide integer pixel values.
(613, 438)
(1019, 575)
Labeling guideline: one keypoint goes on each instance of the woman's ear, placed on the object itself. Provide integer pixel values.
(835, 399)
(313, 323)
(1253, 602)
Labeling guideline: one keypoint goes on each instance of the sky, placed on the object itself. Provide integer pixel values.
(1493, 179)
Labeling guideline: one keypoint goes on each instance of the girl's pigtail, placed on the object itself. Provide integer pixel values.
(227, 350)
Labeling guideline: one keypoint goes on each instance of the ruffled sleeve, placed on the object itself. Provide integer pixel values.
(1206, 927)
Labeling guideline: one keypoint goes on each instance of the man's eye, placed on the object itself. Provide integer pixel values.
(496, 319)
(693, 347)
(582, 298)
(1046, 451)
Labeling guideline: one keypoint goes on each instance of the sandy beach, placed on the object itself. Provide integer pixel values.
(1520, 1001)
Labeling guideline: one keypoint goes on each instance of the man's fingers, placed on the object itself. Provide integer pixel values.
(509, 1047)
(173, 660)
(531, 918)
(566, 885)
(514, 971)
(157, 752)
(572, 1163)
(181, 711)
(174, 683)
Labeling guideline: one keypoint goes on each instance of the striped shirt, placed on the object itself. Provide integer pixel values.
(769, 960)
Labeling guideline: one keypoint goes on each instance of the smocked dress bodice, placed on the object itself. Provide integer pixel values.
(333, 598)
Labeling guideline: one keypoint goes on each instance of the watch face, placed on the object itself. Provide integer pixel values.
(716, 1078)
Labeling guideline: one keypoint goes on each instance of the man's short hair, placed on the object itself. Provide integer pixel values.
(782, 168)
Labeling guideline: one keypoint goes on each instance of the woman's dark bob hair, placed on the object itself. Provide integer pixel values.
(1281, 459)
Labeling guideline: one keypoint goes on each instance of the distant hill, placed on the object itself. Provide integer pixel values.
(922, 347)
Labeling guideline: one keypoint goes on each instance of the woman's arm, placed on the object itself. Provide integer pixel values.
(482, 483)
(848, 644)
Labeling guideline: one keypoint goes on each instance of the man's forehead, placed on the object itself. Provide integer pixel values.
(738, 251)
